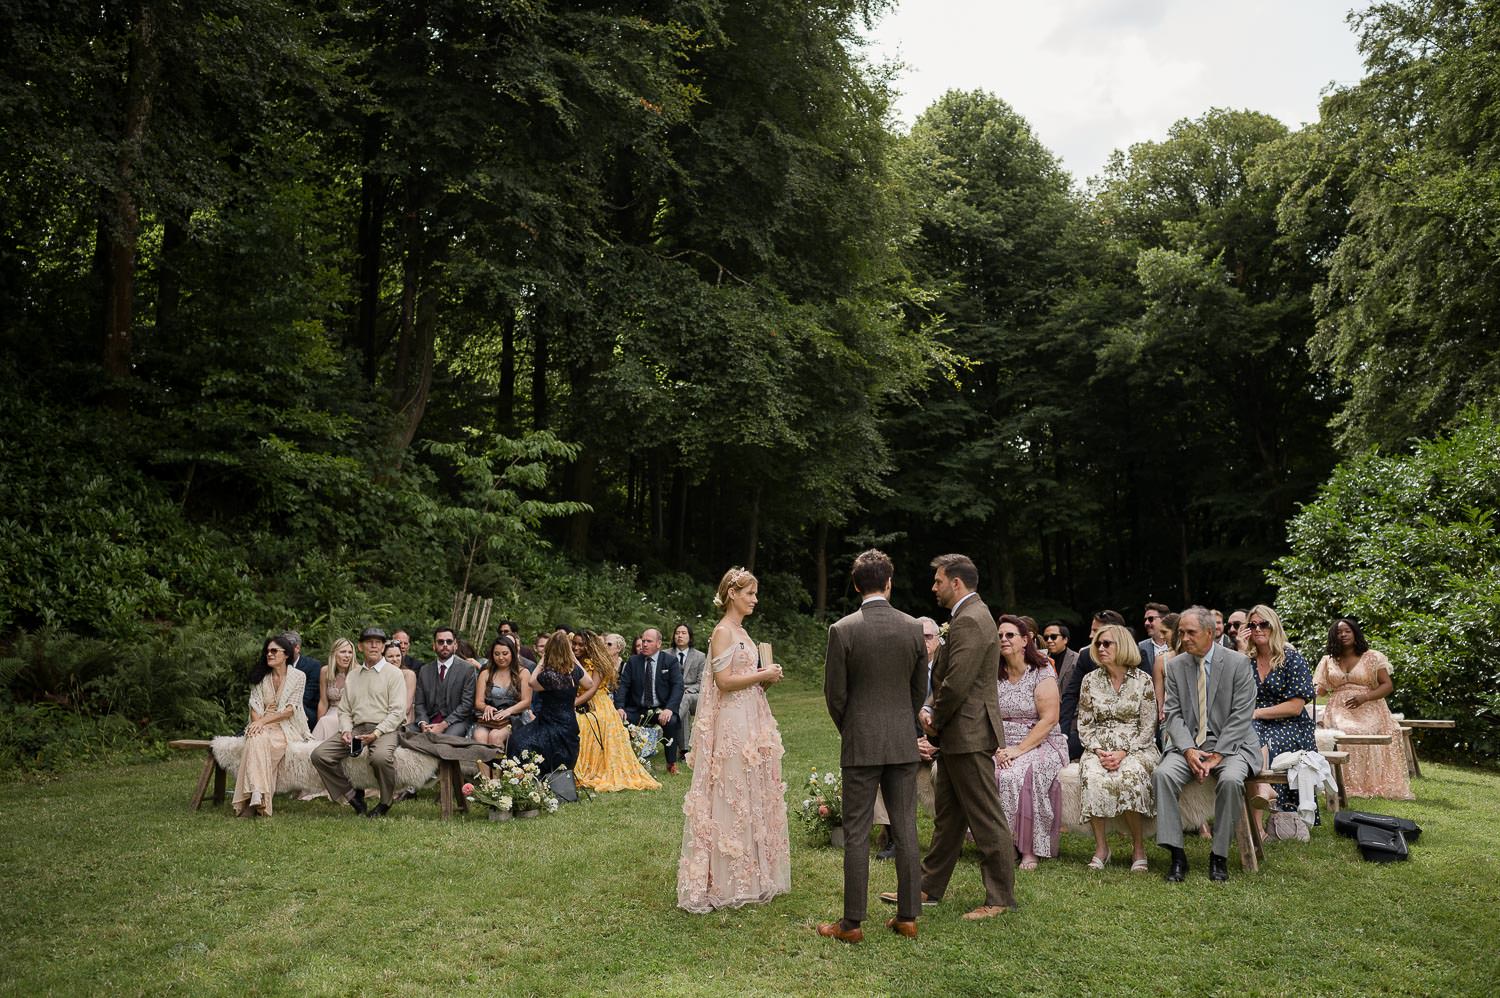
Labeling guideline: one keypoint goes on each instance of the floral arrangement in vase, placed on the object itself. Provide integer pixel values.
(822, 809)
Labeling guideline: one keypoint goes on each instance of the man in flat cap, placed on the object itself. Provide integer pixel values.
(370, 713)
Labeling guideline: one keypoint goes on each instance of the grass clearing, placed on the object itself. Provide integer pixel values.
(114, 886)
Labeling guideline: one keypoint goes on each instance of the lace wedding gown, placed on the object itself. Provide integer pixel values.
(735, 846)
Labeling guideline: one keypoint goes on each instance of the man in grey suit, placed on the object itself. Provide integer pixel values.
(1210, 703)
(875, 679)
(962, 718)
(444, 702)
(691, 661)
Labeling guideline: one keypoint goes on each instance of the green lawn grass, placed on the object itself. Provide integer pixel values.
(112, 886)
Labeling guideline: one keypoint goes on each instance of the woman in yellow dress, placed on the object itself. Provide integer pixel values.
(606, 761)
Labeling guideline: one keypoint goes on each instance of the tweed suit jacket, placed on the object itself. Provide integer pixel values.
(452, 697)
(965, 700)
(874, 680)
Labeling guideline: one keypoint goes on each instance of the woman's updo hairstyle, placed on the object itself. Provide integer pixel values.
(733, 581)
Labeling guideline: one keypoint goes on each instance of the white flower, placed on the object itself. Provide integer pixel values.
(806, 803)
(830, 778)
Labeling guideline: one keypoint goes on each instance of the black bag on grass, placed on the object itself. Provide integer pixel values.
(1380, 845)
(1349, 822)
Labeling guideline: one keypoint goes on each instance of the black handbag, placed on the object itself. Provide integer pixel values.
(560, 781)
(1348, 823)
(1380, 845)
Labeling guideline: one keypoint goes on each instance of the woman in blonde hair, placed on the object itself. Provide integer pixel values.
(735, 846)
(1284, 689)
(1117, 725)
(606, 761)
(331, 688)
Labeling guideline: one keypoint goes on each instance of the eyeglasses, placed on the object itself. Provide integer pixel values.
(1010, 635)
(1106, 643)
(1051, 637)
(1233, 625)
(1259, 625)
(1151, 617)
(274, 651)
(930, 637)
(445, 641)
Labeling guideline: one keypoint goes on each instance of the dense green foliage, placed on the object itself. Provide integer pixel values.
(320, 314)
(1408, 545)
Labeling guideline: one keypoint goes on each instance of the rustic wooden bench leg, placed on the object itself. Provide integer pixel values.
(1413, 767)
(219, 783)
(447, 774)
(1252, 848)
(209, 765)
(1342, 800)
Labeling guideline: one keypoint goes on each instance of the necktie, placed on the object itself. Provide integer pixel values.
(651, 668)
(1202, 698)
(442, 671)
(681, 659)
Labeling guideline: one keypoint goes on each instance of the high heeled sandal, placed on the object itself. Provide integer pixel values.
(1099, 862)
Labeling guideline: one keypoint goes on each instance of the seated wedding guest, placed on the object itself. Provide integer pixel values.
(408, 660)
(311, 670)
(393, 655)
(1035, 751)
(616, 645)
(1284, 687)
(1064, 659)
(1234, 630)
(444, 702)
(691, 661)
(335, 676)
(468, 654)
(1067, 716)
(1117, 725)
(606, 760)
(370, 712)
(560, 686)
(276, 720)
(502, 692)
(1035, 632)
(1357, 679)
(1210, 700)
(539, 646)
(512, 630)
(650, 692)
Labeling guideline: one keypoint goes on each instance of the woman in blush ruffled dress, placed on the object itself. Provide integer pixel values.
(735, 845)
(331, 689)
(1357, 679)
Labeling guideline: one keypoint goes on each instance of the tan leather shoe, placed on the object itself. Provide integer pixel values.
(891, 897)
(985, 911)
(907, 929)
(837, 931)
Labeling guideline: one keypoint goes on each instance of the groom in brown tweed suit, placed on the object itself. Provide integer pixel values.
(875, 678)
(962, 717)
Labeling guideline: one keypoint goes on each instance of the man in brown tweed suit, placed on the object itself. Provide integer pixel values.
(962, 717)
(875, 678)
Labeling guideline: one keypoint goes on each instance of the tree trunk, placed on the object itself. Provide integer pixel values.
(679, 518)
(583, 491)
(169, 273)
(539, 319)
(752, 540)
(372, 202)
(1182, 552)
(123, 208)
(820, 582)
(506, 411)
(414, 349)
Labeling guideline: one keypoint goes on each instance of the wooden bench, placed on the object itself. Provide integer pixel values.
(211, 769)
(1252, 843)
(450, 779)
(1414, 768)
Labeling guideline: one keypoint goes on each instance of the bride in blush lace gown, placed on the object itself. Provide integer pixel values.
(735, 847)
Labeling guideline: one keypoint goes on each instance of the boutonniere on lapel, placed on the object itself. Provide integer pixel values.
(943, 633)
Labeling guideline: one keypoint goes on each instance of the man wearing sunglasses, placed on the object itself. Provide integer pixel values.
(444, 703)
(1233, 628)
(1064, 659)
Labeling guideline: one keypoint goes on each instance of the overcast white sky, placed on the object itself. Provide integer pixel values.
(1092, 76)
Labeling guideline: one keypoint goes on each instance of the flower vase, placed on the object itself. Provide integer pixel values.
(836, 836)
(498, 815)
(533, 813)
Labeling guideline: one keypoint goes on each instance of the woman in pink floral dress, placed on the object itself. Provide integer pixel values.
(1035, 749)
(735, 846)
